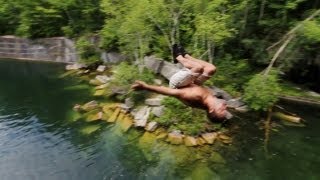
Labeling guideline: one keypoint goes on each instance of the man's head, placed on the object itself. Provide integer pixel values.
(218, 110)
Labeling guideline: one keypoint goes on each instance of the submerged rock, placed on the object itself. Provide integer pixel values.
(202, 172)
(190, 141)
(216, 158)
(209, 137)
(175, 138)
(90, 129)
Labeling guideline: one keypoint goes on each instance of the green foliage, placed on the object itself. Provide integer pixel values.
(87, 50)
(311, 30)
(262, 91)
(125, 74)
(179, 116)
(231, 75)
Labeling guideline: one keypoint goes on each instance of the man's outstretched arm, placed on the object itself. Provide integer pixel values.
(140, 85)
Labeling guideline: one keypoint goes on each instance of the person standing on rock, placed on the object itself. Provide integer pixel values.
(185, 85)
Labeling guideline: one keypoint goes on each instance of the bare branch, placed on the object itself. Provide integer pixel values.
(317, 12)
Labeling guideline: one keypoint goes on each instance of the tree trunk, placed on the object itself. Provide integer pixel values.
(276, 55)
(262, 6)
(140, 51)
(245, 20)
(209, 46)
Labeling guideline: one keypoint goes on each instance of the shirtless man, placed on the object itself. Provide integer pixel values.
(185, 85)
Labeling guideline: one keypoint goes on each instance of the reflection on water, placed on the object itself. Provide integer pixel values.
(38, 139)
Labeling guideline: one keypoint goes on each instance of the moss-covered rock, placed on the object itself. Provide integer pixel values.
(90, 106)
(190, 141)
(175, 138)
(114, 116)
(99, 92)
(209, 137)
(125, 122)
(94, 117)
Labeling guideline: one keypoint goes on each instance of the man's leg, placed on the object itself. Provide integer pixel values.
(208, 69)
(194, 66)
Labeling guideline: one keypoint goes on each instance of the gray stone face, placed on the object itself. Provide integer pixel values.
(112, 57)
(74, 66)
(242, 109)
(168, 70)
(157, 111)
(157, 65)
(101, 68)
(221, 93)
(153, 63)
(102, 78)
(153, 101)
(141, 116)
(152, 126)
(234, 103)
(128, 102)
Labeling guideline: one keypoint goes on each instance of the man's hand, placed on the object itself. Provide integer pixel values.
(138, 85)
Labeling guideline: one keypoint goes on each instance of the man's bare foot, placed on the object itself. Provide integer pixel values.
(138, 85)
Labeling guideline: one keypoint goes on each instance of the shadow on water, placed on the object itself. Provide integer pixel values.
(39, 139)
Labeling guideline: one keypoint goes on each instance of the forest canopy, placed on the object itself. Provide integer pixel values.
(219, 31)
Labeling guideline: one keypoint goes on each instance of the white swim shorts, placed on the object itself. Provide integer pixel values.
(183, 77)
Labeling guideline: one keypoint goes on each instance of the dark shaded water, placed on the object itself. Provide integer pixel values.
(39, 140)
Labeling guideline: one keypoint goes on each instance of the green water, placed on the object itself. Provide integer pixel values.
(39, 139)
